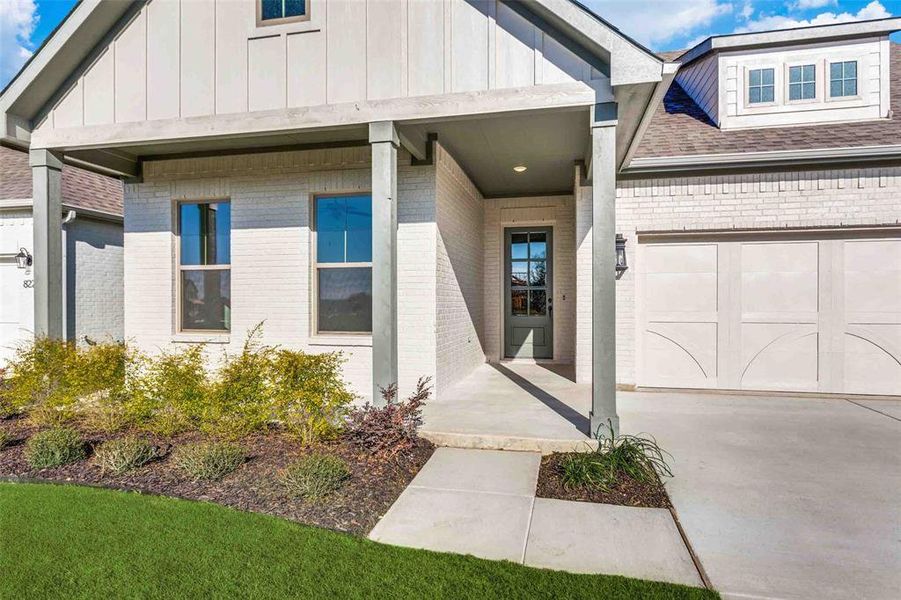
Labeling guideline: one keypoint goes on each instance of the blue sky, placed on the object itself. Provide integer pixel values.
(659, 24)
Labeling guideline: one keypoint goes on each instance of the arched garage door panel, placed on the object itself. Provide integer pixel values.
(771, 314)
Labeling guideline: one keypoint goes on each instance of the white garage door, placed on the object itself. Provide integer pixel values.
(16, 310)
(771, 314)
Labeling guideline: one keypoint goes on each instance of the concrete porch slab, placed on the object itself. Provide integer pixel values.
(583, 537)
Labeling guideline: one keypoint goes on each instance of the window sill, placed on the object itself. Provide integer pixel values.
(363, 341)
(201, 338)
(278, 29)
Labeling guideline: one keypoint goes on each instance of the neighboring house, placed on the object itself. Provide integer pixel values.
(90, 266)
(425, 186)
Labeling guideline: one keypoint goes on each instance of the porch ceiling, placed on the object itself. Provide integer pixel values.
(547, 143)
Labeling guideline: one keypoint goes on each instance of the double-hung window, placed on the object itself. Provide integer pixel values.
(843, 79)
(204, 285)
(270, 12)
(343, 269)
(761, 86)
(802, 82)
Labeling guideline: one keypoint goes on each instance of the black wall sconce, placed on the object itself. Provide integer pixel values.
(621, 264)
(23, 259)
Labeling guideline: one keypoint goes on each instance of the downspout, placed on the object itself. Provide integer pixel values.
(668, 73)
(70, 216)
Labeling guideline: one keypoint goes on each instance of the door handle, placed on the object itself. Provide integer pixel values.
(550, 305)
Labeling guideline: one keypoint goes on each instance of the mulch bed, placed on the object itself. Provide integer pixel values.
(373, 487)
(625, 492)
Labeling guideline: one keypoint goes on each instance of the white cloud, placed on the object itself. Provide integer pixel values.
(747, 11)
(656, 22)
(17, 21)
(873, 10)
(806, 4)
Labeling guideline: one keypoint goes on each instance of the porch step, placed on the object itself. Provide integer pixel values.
(506, 442)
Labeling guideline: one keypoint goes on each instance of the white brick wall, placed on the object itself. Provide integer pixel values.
(94, 295)
(559, 212)
(459, 292)
(271, 269)
(759, 201)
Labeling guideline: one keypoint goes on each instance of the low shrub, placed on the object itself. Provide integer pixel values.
(389, 429)
(209, 461)
(310, 400)
(5, 439)
(169, 391)
(124, 454)
(54, 448)
(638, 457)
(315, 476)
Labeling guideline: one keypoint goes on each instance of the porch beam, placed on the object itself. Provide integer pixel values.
(46, 171)
(603, 265)
(384, 141)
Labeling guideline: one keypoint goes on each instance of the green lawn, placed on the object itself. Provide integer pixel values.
(77, 542)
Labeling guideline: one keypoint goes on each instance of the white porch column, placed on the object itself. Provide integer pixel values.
(384, 141)
(603, 267)
(46, 171)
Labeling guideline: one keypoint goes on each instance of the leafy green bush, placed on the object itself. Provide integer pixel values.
(638, 457)
(169, 391)
(309, 397)
(389, 429)
(5, 439)
(54, 447)
(209, 461)
(124, 454)
(315, 476)
(56, 381)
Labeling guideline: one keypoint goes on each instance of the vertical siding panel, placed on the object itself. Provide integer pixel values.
(560, 65)
(234, 21)
(306, 69)
(198, 59)
(515, 58)
(346, 51)
(131, 71)
(98, 90)
(426, 47)
(266, 57)
(469, 45)
(386, 48)
(70, 110)
(163, 43)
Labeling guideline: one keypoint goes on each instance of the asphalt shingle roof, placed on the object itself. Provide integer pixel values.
(80, 188)
(681, 128)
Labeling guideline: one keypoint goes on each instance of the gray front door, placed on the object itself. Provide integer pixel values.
(528, 276)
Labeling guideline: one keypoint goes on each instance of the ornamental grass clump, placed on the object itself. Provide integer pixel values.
(637, 457)
(392, 428)
(315, 476)
(54, 448)
(124, 454)
(209, 461)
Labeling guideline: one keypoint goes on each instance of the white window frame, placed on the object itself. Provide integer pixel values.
(180, 267)
(746, 86)
(331, 337)
(817, 81)
(827, 80)
(283, 20)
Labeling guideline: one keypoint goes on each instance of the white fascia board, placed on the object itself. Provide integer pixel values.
(759, 159)
(800, 35)
(669, 74)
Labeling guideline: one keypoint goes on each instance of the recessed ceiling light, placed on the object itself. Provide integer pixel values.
(520, 168)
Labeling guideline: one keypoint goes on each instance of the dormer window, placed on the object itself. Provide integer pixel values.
(275, 12)
(761, 86)
(843, 79)
(802, 83)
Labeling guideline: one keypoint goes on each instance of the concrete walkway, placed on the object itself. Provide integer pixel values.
(482, 502)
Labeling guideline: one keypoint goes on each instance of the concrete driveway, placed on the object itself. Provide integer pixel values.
(782, 497)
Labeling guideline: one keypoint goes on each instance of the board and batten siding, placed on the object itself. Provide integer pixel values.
(187, 58)
(700, 80)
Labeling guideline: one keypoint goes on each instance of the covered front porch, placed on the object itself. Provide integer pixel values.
(513, 405)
